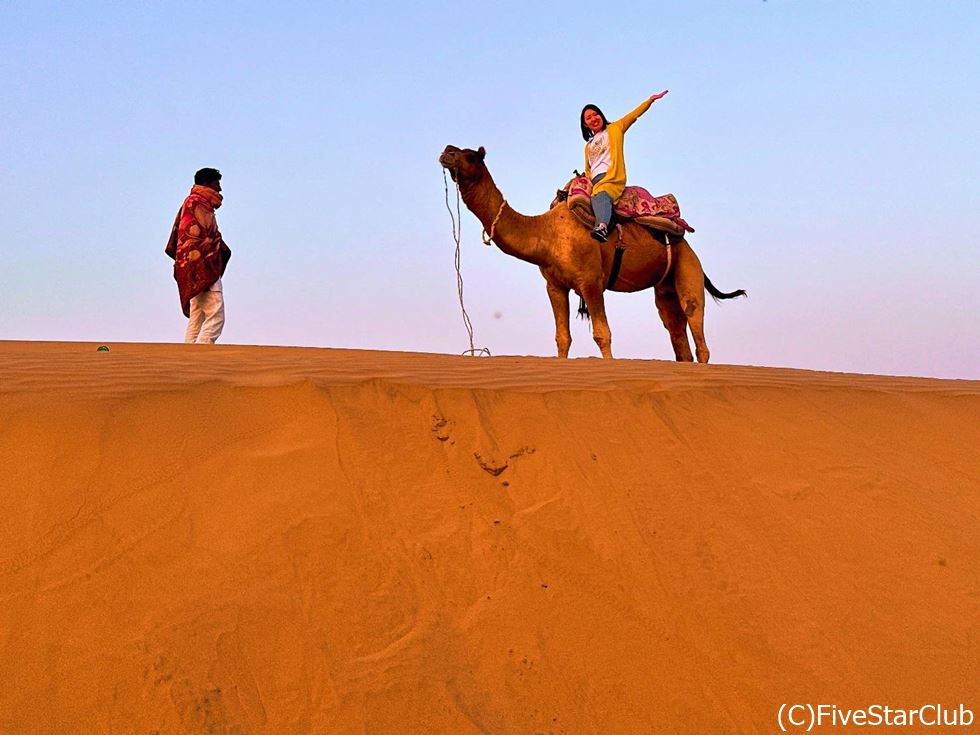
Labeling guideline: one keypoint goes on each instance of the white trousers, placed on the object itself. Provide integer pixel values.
(207, 318)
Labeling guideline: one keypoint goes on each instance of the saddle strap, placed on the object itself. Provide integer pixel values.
(667, 244)
(617, 260)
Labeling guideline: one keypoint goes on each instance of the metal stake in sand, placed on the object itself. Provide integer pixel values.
(457, 221)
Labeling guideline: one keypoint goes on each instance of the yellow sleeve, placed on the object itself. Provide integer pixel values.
(588, 168)
(631, 117)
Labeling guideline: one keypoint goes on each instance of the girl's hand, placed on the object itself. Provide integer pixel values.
(656, 97)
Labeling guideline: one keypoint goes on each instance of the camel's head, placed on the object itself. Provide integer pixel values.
(464, 164)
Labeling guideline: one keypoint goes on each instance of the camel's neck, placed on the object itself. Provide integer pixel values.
(514, 233)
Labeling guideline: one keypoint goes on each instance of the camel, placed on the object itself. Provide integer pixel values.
(569, 259)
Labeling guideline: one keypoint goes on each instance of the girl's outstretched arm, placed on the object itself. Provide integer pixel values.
(631, 117)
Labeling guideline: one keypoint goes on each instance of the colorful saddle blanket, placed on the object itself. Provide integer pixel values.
(636, 203)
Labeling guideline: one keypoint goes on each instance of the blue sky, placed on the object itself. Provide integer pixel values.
(826, 152)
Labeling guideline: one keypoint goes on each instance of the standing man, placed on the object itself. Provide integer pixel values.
(200, 258)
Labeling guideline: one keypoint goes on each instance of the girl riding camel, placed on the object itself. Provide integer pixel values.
(604, 161)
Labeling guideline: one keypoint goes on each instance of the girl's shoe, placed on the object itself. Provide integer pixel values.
(600, 233)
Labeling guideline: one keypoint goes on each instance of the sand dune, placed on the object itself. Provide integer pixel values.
(275, 540)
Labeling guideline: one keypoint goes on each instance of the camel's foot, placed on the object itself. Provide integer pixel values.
(682, 351)
(703, 354)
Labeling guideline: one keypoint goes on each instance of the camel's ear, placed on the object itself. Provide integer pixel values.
(482, 153)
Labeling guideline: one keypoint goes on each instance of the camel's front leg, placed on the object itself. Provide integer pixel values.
(600, 325)
(559, 304)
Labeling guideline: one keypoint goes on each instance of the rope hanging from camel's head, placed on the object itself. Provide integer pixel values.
(488, 236)
(457, 224)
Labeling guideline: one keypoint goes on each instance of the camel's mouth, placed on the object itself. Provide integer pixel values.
(448, 157)
(448, 161)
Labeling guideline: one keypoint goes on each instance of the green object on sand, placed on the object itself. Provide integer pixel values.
(103, 348)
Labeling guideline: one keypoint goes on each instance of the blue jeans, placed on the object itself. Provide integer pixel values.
(602, 204)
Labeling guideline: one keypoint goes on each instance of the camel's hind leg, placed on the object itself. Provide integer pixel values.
(600, 325)
(689, 284)
(559, 304)
(672, 315)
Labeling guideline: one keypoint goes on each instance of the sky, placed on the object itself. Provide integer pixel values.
(827, 154)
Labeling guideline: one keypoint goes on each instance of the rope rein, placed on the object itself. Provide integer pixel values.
(487, 238)
(457, 221)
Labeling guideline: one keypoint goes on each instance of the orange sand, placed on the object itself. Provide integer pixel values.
(274, 540)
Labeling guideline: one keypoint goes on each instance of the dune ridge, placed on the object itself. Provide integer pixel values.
(290, 540)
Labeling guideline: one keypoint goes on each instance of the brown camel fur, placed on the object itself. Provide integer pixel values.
(570, 259)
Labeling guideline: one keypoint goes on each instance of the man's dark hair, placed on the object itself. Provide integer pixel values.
(206, 176)
(586, 130)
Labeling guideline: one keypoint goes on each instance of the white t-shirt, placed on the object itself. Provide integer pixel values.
(600, 159)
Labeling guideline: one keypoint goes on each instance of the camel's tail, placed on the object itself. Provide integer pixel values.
(716, 294)
(583, 310)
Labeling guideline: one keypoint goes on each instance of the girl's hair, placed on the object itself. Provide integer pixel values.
(586, 130)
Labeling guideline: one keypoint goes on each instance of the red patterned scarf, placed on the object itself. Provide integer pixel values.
(200, 254)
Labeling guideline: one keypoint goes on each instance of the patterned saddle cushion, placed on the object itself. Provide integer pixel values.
(636, 203)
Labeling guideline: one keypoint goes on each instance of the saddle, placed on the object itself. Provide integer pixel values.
(662, 214)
